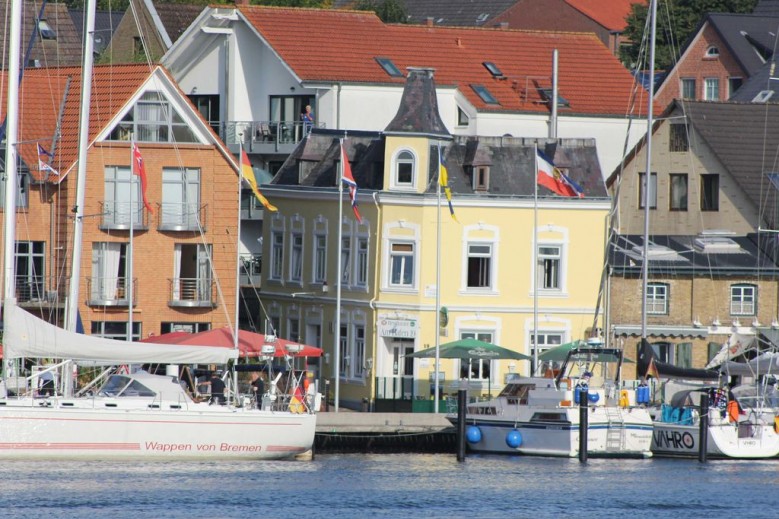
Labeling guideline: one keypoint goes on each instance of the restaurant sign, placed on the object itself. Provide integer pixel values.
(402, 328)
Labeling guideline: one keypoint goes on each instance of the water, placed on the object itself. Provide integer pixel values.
(391, 485)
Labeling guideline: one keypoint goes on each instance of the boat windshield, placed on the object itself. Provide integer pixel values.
(119, 385)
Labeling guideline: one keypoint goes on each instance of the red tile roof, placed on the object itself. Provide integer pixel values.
(609, 13)
(40, 98)
(334, 45)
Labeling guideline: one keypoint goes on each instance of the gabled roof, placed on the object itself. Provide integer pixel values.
(448, 12)
(106, 23)
(63, 50)
(610, 14)
(759, 87)
(44, 93)
(325, 46)
(176, 17)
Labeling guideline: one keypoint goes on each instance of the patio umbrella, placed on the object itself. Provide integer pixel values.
(559, 353)
(249, 343)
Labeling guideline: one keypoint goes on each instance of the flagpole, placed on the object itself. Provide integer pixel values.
(129, 281)
(437, 284)
(535, 264)
(337, 351)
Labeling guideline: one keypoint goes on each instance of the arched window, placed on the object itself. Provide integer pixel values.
(712, 52)
(404, 169)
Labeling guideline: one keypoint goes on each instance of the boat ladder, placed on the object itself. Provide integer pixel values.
(615, 433)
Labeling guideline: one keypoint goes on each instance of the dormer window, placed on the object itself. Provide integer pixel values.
(481, 178)
(712, 52)
(405, 166)
(47, 33)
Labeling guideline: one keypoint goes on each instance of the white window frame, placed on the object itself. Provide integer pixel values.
(395, 182)
(404, 257)
(657, 298)
(480, 256)
(361, 263)
(543, 258)
(346, 260)
(469, 366)
(296, 257)
(711, 89)
(358, 351)
(688, 81)
(319, 267)
(652, 189)
(277, 256)
(743, 299)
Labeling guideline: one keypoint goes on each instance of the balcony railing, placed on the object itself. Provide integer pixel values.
(251, 269)
(266, 136)
(110, 291)
(181, 217)
(191, 292)
(117, 215)
(37, 290)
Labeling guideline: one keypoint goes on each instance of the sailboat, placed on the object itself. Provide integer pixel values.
(124, 414)
(731, 430)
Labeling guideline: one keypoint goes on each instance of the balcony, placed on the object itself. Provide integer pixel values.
(116, 216)
(110, 291)
(37, 291)
(191, 293)
(251, 269)
(267, 137)
(181, 217)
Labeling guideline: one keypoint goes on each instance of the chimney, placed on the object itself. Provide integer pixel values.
(430, 21)
(502, 25)
(458, 42)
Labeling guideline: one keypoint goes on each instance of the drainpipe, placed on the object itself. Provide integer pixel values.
(338, 106)
(372, 302)
(553, 122)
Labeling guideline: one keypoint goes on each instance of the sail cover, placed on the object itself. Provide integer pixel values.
(28, 336)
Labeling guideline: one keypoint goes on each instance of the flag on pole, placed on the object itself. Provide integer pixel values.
(348, 179)
(443, 180)
(44, 158)
(139, 168)
(247, 173)
(555, 180)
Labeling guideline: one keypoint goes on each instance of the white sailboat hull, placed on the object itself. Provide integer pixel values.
(198, 432)
(724, 440)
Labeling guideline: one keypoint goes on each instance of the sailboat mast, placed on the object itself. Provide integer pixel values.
(238, 262)
(437, 284)
(648, 172)
(129, 280)
(337, 351)
(71, 310)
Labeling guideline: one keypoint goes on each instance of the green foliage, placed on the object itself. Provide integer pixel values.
(295, 3)
(676, 21)
(390, 11)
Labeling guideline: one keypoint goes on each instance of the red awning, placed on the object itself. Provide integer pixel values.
(249, 343)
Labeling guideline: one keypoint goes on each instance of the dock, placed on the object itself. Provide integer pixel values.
(349, 431)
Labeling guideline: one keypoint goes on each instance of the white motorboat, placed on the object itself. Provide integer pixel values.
(541, 415)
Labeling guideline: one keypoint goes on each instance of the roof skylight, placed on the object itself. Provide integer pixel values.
(485, 94)
(716, 244)
(493, 68)
(47, 33)
(546, 93)
(389, 67)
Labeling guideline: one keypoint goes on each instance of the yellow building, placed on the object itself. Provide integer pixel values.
(407, 240)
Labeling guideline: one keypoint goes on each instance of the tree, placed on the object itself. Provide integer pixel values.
(390, 11)
(295, 3)
(676, 21)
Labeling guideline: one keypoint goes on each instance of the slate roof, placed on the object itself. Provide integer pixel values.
(758, 82)
(610, 14)
(106, 23)
(65, 50)
(418, 111)
(744, 137)
(766, 8)
(331, 45)
(177, 17)
(41, 95)
(473, 13)
(680, 255)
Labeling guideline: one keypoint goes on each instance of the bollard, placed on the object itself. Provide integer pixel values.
(583, 424)
(462, 396)
(327, 395)
(703, 434)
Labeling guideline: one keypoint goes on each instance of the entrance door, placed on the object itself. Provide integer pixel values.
(403, 367)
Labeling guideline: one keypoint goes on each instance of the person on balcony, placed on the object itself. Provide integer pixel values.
(308, 120)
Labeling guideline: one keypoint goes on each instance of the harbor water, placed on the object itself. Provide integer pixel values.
(392, 485)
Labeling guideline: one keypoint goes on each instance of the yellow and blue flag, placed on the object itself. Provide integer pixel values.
(443, 180)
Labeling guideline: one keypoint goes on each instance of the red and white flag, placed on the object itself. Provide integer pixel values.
(348, 179)
(140, 169)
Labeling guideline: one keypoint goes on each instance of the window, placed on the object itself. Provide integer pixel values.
(476, 369)
(277, 255)
(734, 83)
(546, 94)
(22, 182)
(296, 258)
(180, 199)
(272, 325)
(358, 352)
(45, 30)
(683, 355)
(484, 94)
(389, 67)
(742, 299)
(652, 190)
(404, 169)
(117, 210)
(343, 350)
(479, 261)
(678, 192)
(678, 140)
(462, 117)
(30, 261)
(546, 341)
(688, 88)
(657, 298)
(208, 106)
(293, 330)
(481, 180)
(109, 273)
(548, 267)
(184, 327)
(362, 261)
(711, 89)
(712, 52)
(115, 330)
(286, 116)
(153, 119)
(493, 69)
(710, 192)
(346, 258)
(192, 284)
(402, 264)
(139, 53)
(320, 258)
